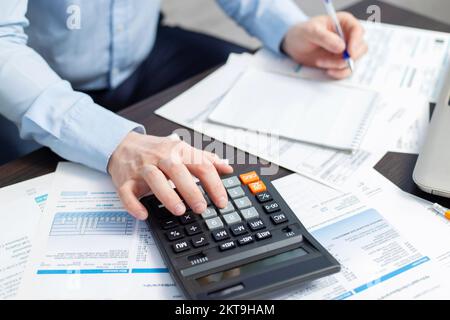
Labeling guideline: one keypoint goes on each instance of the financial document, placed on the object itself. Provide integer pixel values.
(395, 111)
(379, 258)
(19, 222)
(88, 247)
(398, 57)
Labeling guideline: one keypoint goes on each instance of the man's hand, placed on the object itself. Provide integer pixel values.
(315, 43)
(143, 163)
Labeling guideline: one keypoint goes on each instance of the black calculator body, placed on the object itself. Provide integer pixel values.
(254, 248)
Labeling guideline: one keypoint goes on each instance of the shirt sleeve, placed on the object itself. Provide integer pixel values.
(45, 107)
(268, 20)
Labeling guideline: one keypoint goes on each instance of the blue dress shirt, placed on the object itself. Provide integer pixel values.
(49, 49)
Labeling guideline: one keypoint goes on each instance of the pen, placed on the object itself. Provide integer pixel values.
(441, 210)
(332, 13)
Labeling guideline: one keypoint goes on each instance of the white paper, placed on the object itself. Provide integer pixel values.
(379, 260)
(396, 111)
(321, 113)
(398, 57)
(36, 188)
(21, 209)
(88, 247)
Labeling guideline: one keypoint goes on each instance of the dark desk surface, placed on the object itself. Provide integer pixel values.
(395, 166)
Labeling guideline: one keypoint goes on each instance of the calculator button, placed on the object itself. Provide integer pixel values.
(256, 224)
(257, 187)
(249, 213)
(199, 241)
(238, 229)
(209, 213)
(242, 203)
(207, 199)
(278, 218)
(263, 197)
(229, 208)
(227, 245)
(193, 229)
(231, 182)
(201, 189)
(187, 218)
(169, 223)
(242, 241)
(174, 234)
(181, 246)
(263, 235)
(231, 218)
(271, 207)
(220, 234)
(236, 192)
(249, 177)
(214, 223)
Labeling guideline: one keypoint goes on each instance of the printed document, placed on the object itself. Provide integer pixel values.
(379, 259)
(19, 222)
(88, 247)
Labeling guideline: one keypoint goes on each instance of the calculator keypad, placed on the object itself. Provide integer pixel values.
(242, 222)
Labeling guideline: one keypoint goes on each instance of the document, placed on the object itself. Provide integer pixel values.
(379, 260)
(88, 247)
(37, 189)
(289, 107)
(395, 112)
(398, 57)
(21, 209)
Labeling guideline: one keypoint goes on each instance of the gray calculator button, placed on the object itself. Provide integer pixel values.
(231, 182)
(249, 213)
(231, 218)
(236, 192)
(242, 203)
(229, 208)
(209, 213)
(201, 189)
(214, 223)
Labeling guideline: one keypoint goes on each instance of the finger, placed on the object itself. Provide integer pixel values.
(339, 73)
(221, 165)
(331, 62)
(353, 30)
(326, 39)
(127, 194)
(176, 170)
(207, 174)
(160, 187)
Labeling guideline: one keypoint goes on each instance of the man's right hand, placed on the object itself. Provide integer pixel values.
(143, 163)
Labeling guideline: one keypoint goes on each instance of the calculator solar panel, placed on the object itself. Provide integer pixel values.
(255, 247)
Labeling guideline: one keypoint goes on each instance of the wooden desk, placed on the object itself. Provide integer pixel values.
(396, 167)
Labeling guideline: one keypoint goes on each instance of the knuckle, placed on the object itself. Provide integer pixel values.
(205, 168)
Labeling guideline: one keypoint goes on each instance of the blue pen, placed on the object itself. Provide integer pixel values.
(332, 13)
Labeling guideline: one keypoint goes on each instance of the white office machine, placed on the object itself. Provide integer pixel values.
(432, 171)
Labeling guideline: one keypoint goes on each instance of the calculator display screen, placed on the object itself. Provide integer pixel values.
(250, 267)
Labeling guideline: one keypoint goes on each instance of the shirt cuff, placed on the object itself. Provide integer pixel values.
(74, 127)
(275, 22)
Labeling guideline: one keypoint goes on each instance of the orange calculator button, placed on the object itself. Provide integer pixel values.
(249, 177)
(257, 187)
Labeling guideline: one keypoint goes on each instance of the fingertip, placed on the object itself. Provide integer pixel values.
(141, 215)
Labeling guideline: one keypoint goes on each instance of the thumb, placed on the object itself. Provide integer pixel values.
(328, 40)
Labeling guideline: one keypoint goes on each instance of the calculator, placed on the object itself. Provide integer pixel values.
(255, 247)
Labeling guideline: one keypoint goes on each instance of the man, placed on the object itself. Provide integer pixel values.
(66, 54)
